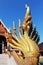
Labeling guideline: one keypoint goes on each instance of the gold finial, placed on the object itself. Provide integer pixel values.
(27, 9)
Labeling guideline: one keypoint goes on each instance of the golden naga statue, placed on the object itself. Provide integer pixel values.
(28, 47)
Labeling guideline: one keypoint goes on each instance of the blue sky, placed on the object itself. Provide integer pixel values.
(12, 10)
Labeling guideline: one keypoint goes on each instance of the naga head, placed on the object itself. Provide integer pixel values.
(27, 19)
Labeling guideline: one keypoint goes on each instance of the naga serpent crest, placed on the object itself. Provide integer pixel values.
(26, 44)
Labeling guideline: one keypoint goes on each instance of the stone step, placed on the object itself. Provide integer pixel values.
(6, 60)
(3, 59)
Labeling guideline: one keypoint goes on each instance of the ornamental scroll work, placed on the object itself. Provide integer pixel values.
(29, 38)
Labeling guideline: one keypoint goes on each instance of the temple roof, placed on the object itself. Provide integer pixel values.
(41, 46)
(4, 26)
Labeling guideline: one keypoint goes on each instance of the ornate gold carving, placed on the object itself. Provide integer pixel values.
(28, 46)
